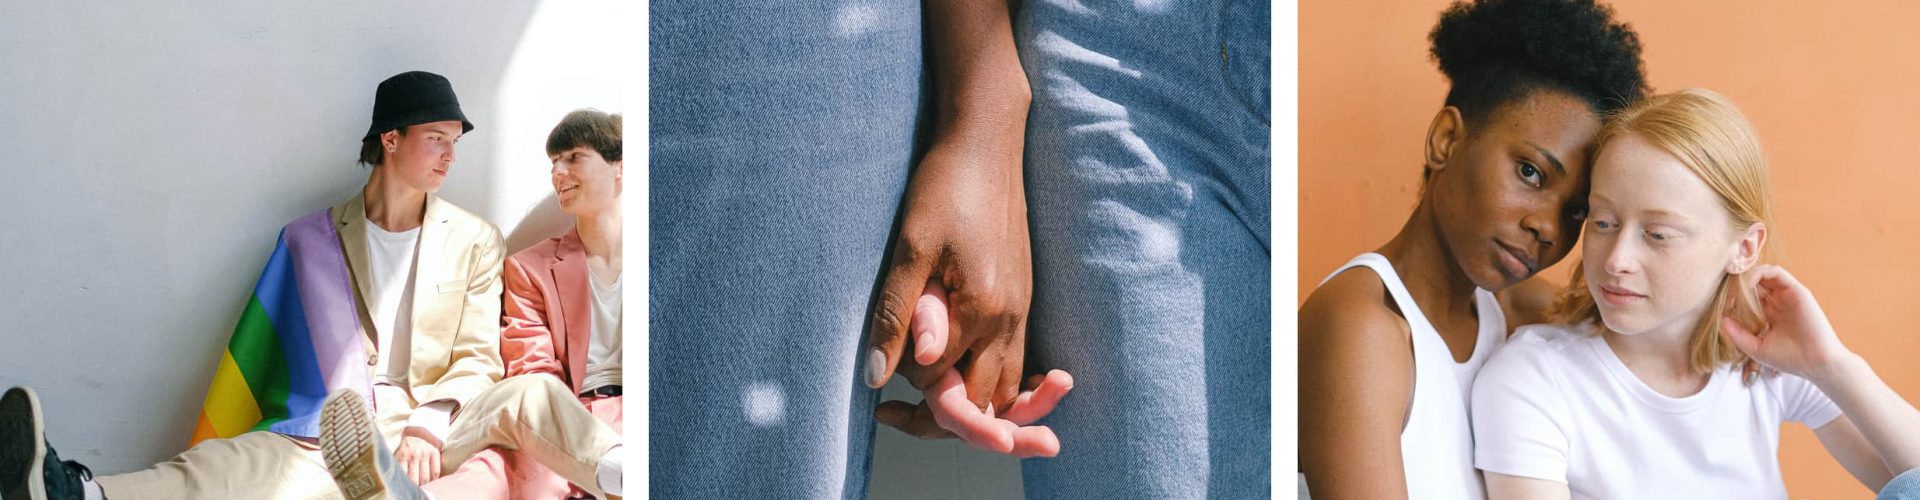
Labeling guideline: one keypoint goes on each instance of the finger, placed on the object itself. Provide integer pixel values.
(1744, 340)
(433, 466)
(983, 377)
(1013, 363)
(419, 468)
(1037, 403)
(1035, 441)
(915, 420)
(412, 466)
(927, 374)
(954, 412)
(906, 277)
(930, 324)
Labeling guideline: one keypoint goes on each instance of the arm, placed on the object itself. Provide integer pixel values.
(1356, 385)
(526, 341)
(1503, 487)
(1845, 443)
(964, 217)
(1798, 339)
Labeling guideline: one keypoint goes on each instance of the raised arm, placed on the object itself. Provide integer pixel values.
(1798, 339)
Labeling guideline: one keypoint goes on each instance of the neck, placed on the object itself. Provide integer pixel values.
(1662, 352)
(600, 234)
(391, 205)
(1428, 269)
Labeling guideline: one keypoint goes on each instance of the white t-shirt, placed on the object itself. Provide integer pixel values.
(390, 259)
(603, 353)
(390, 266)
(1557, 404)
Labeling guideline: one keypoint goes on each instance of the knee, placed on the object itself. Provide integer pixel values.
(535, 386)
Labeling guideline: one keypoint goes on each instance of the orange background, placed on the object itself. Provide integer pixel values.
(1834, 93)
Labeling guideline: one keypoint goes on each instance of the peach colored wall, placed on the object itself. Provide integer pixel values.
(1834, 92)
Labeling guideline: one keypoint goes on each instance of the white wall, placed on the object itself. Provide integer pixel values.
(149, 154)
(908, 467)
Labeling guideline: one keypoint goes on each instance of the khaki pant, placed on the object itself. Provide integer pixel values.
(539, 418)
(257, 464)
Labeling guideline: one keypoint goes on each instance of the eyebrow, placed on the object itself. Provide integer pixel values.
(1596, 199)
(1557, 167)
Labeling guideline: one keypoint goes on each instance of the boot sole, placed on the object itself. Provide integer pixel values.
(347, 444)
(20, 421)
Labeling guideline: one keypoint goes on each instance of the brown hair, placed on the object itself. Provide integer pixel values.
(1710, 136)
(370, 151)
(587, 127)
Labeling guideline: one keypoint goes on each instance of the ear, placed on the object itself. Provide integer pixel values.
(619, 175)
(390, 140)
(1444, 137)
(1746, 252)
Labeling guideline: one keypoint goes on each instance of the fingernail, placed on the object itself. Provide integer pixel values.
(922, 345)
(876, 368)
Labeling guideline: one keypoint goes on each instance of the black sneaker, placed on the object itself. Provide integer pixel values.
(29, 468)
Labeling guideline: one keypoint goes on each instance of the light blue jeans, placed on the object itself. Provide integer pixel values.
(1147, 179)
(782, 137)
(1905, 486)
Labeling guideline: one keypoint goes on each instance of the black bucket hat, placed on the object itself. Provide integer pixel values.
(413, 98)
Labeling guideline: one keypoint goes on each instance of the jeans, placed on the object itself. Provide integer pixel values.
(1905, 486)
(1147, 178)
(782, 137)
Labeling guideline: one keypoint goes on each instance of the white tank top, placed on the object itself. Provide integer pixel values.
(1436, 447)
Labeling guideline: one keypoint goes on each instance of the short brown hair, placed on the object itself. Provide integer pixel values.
(587, 127)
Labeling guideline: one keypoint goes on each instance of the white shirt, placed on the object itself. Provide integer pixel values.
(1436, 446)
(603, 355)
(390, 259)
(390, 266)
(1558, 404)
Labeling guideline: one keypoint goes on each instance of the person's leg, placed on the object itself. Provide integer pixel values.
(1905, 486)
(487, 474)
(505, 473)
(257, 464)
(537, 416)
(1147, 167)
(782, 137)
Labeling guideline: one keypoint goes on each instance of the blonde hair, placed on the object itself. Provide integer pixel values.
(1708, 135)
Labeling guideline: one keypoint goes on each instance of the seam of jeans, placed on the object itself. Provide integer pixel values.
(1226, 69)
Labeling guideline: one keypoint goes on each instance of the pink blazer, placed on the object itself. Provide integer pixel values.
(546, 320)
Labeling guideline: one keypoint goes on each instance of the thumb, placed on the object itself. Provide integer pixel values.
(906, 277)
(1742, 338)
(929, 325)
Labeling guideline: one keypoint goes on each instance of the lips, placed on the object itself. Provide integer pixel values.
(1619, 295)
(1515, 262)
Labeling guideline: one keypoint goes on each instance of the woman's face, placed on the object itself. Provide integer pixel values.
(1658, 240)
(1510, 195)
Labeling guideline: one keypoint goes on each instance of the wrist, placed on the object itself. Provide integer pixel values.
(1836, 370)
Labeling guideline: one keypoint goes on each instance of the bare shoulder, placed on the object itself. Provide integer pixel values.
(1353, 306)
(1356, 386)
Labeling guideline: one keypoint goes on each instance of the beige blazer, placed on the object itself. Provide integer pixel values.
(456, 299)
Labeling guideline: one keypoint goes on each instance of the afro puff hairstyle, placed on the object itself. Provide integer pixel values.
(1497, 51)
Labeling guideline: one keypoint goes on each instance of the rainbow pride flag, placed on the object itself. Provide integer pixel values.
(298, 339)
